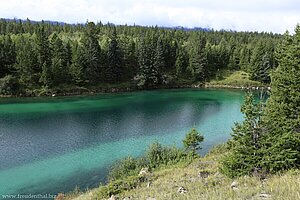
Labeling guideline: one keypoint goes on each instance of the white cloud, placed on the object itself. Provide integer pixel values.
(243, 15)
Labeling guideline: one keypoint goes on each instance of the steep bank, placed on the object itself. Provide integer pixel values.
(202, 180)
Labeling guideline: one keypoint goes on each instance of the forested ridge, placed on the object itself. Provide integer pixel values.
(38, 58)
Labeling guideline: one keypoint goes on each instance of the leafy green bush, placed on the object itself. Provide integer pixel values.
(127, 167)
(158, 155)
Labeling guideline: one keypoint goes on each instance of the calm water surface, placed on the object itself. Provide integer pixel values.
(51, 145)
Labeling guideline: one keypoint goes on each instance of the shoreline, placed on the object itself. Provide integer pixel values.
(113, 90)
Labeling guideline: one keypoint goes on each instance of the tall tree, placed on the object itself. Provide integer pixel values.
(7, 55)
(59, 62)
(159, 62)
(283, 107)
(245, 155)
(43, 56)
(26, 62)
(115, 66)
(91, 55)
(198, 60)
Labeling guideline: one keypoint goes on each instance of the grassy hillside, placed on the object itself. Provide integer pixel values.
(201, 180)
(225, 78)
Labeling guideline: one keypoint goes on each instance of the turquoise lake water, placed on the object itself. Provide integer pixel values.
(51, 145)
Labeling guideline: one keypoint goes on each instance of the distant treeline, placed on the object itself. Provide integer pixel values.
(46, 55)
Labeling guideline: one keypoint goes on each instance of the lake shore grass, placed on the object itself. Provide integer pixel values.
(234, 79)
(201, 179)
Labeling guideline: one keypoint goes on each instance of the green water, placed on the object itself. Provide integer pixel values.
(51, 145)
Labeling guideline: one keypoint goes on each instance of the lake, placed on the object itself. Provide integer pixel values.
(51, 145)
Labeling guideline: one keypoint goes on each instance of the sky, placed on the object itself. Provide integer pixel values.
(275, 16)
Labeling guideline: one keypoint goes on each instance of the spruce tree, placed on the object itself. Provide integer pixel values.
(7, 55)
(76, 68)
(282, 114)
(246, 145)
(43, 56)
(59, 61)
(198, 60)
(182, 61)
(158, 64)
(90, 59)
(26, 62)
(114, 69)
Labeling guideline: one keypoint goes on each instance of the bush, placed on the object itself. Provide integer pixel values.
(118, 186)
(158, 155)
(192, 141)
(8, 85)
(123, 175)
(124, 168)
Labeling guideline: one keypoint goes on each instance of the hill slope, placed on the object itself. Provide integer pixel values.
(201, 180)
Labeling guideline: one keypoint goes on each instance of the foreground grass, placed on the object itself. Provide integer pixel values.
(202, 180)
(233, 79)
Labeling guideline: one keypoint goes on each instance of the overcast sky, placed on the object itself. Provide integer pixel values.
(241, 15)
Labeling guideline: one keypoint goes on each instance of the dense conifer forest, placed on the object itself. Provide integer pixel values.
(38, 58)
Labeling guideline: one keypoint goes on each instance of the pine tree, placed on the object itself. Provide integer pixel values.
(182, 61)
(7, 56)
(246, 145)
(149, 75)
(91, 55)
(26, 62)
(158, 64)
(76, 69)
(198, 60)
(43, 56)
(114, 69)
(283, 108)
(59, 63)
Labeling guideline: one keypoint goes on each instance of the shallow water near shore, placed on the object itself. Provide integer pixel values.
(51, 145)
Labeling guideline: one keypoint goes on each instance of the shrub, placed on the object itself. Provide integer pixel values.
(158, 155)
(192, 141)
(8, 85)
(127, 167)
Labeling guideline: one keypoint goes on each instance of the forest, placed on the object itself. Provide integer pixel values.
(40, 58)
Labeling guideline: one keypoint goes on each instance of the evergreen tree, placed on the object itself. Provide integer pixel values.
(182, 61)
(91, 55)
(270, 140)
(198, 61)
(43, 56)
(7, 56)
(159, 63)
(148, 76)
(76, 69)
(26, 62)
(282, 114)
(114, 69)
(59, 62)
(246, 145)
(192, 141)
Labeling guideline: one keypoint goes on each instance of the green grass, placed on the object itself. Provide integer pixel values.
(165, 182)
(227, 78)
